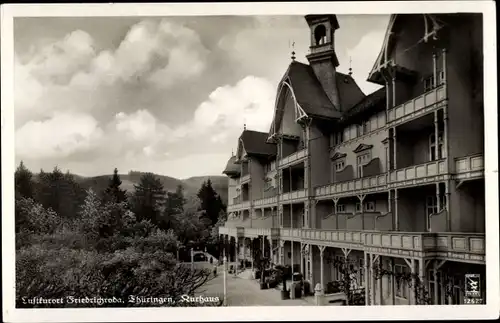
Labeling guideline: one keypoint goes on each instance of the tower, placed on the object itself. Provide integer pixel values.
(322, 56)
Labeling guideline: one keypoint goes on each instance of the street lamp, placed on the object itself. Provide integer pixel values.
(224, 263)
(192, 259)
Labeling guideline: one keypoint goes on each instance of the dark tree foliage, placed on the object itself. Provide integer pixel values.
(59, 192)
(113, 192)
(149, 199)
(211, 203)
(24, 184)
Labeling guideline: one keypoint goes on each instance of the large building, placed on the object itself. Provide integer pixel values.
(391, 180)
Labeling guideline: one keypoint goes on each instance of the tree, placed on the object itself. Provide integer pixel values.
(113, 192)
(24, 184)
(60, 192)
(211, 202)
(149, 199)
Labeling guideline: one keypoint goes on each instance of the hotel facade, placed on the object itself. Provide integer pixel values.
(393, 179)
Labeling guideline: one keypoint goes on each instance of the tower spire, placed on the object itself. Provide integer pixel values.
(293, 50)
(350, 66)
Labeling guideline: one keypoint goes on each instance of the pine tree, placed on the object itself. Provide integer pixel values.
(24, 181)
(149, 199)
(211, 202)
(113, 192)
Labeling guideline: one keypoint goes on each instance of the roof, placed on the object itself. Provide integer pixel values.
(308, 91)
(349, 91)
(366, 104)
(255, 143)
(232, 167)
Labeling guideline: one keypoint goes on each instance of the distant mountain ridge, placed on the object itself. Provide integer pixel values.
(191, 185)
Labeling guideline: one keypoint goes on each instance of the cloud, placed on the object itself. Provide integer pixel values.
(58, 137)
(69, 74)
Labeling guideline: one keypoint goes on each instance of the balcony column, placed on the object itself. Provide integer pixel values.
(271, 254)
(335, 201)
(436, 135)
(306, 214)
(291, 254)
(396, 217)
(392, 283)
(394, 90)
(438, 195)
(447, 189)
(394, 144)
(413, 296)
(236, 252)
(252, 252)
(367, 278)
(244, 251)
(280, 215)
(379, 285)
(434, 71)
(281, 252)
(361, 200)
(322, 269)
(372, 280)
(421, 272)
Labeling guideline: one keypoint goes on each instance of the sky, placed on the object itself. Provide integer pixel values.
(168, 95)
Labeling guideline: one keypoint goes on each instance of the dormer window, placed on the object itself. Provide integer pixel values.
(320, 35)
(339, 165)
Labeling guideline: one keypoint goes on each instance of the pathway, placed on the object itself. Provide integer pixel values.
(244, 291)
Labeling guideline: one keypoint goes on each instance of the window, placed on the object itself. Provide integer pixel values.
(340, 208)
(428, 83)
(320, 35)
(431, 207)
(402, 289)
(359, 130)
(339, 165)
(362, 160)
(441, 77)
(358, 207)
(361, 272)
(432, 147)
(370, 206)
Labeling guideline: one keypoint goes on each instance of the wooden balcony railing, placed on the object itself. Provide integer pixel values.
(411, 174)
(294, 195)
(266, 201)
(469, 166)
(470, 246)
(416, 107)
(360, 185)
(293, 158)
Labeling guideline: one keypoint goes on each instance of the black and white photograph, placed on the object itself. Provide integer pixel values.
(229, 157)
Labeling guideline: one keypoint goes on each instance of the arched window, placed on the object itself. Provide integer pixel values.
(320, 35)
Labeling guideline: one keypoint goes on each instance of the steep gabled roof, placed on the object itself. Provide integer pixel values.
(349, 91)
(255, 143)
(308, 91)
(367, 105)
(231, 167)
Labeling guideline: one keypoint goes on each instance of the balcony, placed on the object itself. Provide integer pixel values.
(293, 158)
(419, 174)
(469, 167)
(274, 233)
(357, 186)
(293, 196)
(417, 107)
(468, 247)
(266, 202)
(241, 205)
(245, 179)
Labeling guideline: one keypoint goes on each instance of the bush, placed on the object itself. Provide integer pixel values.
(332, 287)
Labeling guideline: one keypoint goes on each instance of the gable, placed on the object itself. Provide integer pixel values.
(337, 155)
(362, 147)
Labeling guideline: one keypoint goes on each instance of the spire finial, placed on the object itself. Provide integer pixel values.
(293, 51)
(350, 66)
(244, 126)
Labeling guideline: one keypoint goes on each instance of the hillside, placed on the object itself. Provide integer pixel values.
(191, 185)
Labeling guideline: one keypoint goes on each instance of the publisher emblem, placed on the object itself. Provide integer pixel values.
(472, 285)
